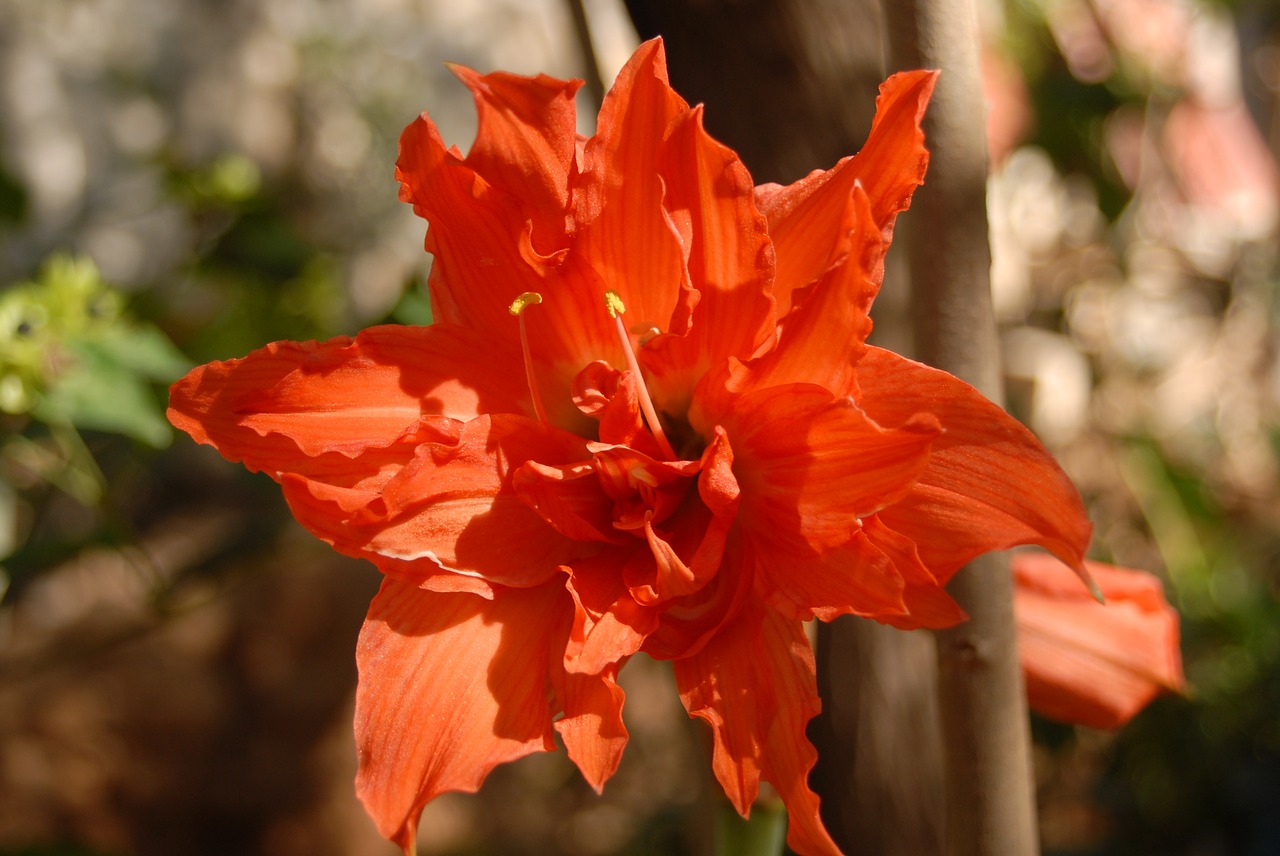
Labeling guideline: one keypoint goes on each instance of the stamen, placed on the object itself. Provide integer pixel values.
(517, 307)
(645, 332)
(616, 307)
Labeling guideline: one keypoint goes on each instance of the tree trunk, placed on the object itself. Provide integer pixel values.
(990, 796)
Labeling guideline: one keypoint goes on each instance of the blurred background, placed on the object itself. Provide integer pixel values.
(186, 180)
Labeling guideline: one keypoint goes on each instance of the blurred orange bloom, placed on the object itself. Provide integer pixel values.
(644, 420)
(1089, 664)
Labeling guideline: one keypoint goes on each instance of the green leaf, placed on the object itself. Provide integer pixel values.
(98, 392)
(142, 349)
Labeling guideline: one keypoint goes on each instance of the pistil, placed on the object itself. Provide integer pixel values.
(517, 308)
(616, 307)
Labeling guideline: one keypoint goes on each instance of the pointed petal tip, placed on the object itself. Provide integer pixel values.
(1092, 584)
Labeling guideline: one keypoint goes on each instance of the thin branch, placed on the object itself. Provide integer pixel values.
(990, 797)
(591, 65)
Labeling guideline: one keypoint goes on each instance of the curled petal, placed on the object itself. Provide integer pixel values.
(482, 240)
(989, 484)
(856, 578)
(812, 464)
(810, 220)
(728, 256)
(754, 683)
(453, 507)
(924, 598)
(1087, 663)
(570, 499)
(687, 623)
(295, 407)
(689, 552)
(821, 340)
(623, 232)
(592, 728)
(451, 685)
(608, 624)
(525, 143)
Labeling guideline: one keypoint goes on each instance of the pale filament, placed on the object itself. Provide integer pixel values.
(517, 308)
(616, 308)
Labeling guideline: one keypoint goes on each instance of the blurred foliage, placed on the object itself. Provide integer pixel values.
(72, 360)
(1177, 451)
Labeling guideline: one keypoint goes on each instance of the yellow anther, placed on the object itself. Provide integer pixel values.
(614, 304)
(529, 298)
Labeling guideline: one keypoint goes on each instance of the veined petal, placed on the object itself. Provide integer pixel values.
(989, 485)
(926, 600)
(453, 506)
(809, 220)
(287, 406)
(592, 728)
(476, 233)
(892, 163)
(623, 232)
(821, 340)
(481, 237)
(855, 578)
(728, 255)
(754, 683)
(811, 467)
(525, 144)
(811, 463)
(1086, 663)
(451, 685)
(608, 625)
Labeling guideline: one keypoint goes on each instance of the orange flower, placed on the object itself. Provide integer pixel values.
(680, 445)
(1089, 664)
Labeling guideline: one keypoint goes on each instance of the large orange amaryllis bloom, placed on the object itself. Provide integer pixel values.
(1089, 664)
(644, 420)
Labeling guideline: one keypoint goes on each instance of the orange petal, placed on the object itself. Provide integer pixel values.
(608, 625)
(475, 235)
(525, 144)
(729, 258)
(822, 339)
(1086, 663)
(285, 407)
(622, 230)
(454, 506)
(570, 499)
(592, 728)
(926, 601)
(855, 578)
(686, 624)
(451, 685)
(754, 684)
(989, 485)
(811, 463)
(484, 258)
(808, 219)
(892, 164)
